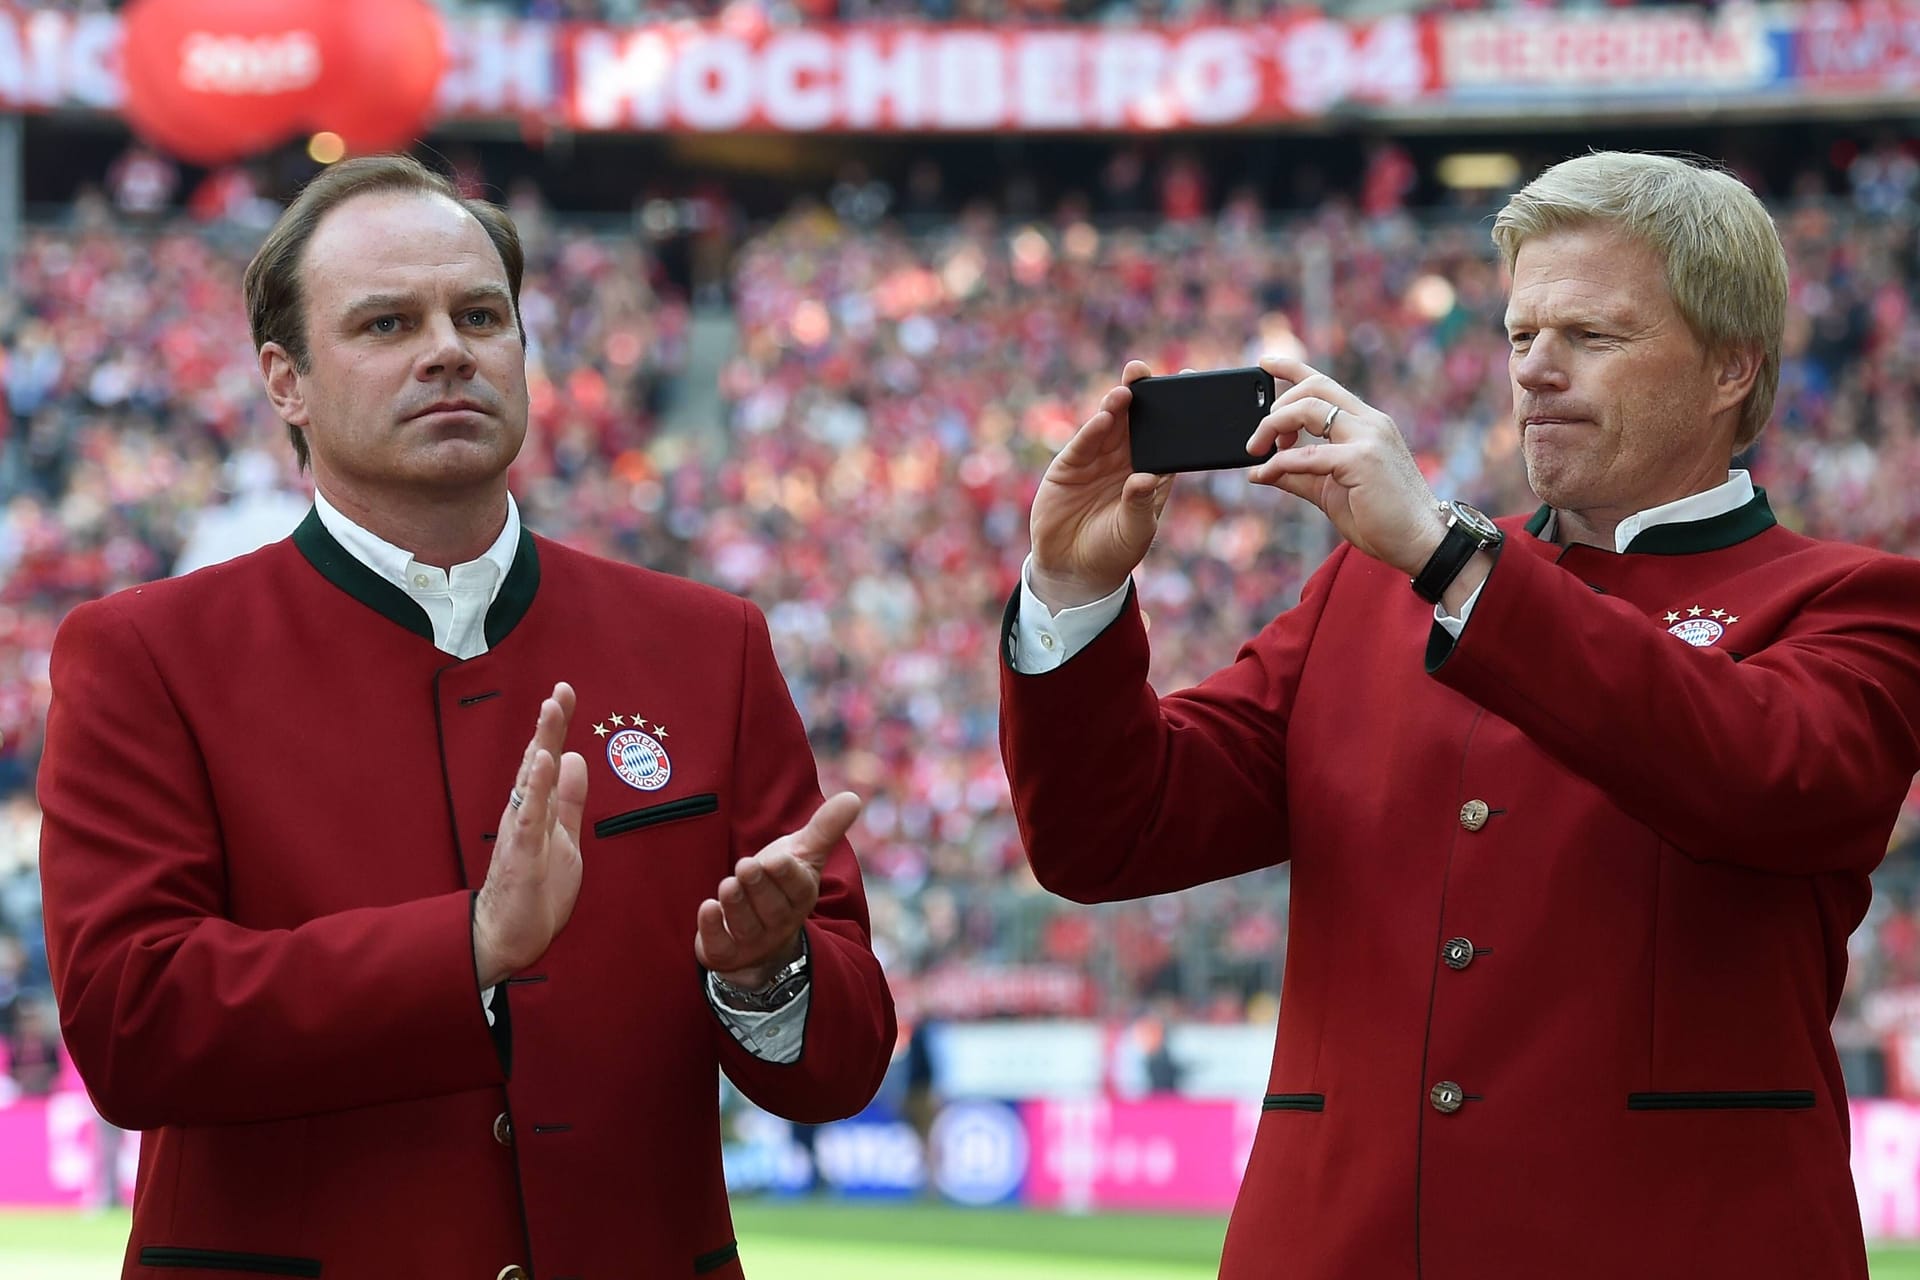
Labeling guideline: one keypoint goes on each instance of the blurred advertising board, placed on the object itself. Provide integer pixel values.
(744, 75)
(55, 1152)
(1158, 1153)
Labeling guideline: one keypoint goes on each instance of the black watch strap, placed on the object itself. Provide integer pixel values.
(1459, 545)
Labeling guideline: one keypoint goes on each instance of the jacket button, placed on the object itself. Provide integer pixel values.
(1446, 1097)
(503, 1134)
(512, 1271)
(1473, 814)
(1457, 952)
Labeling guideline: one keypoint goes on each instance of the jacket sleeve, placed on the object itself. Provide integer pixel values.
(1121, 793)
(850, 1031)
(1793, 759)
(174, 1013)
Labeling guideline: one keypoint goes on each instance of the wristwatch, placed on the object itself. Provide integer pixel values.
(788, 982)
(1468, 532)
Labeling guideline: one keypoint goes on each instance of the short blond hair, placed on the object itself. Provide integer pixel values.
(1724, 263)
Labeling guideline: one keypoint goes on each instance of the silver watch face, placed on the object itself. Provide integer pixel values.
(1476, 523)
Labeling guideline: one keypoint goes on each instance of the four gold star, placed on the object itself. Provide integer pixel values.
(639, 722)
(1696, 610)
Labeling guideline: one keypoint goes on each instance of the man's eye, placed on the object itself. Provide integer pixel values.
(386, 324)
(480, 317)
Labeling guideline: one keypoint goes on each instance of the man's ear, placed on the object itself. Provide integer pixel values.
(283, 384)
(1735, 370)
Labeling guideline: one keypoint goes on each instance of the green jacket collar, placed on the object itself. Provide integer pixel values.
(338, 566)
(1688, 537)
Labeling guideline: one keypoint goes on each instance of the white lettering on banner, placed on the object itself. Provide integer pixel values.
(1048, 73)
(1215, 76)
(1318, 60)
(799, 80)
(1886, 1156)
(1129, 79)
(872, 79)
(970, 81)
(31, 57)
(870, 1155)
(72, 1133)
(1876, 44)
(713, 82)
(93, 55)
(496, 66)
(213, 63)
(1549, 50)
(621, 80)
(1391, 65)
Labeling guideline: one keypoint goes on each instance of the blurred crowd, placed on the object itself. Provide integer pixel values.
(887, 407)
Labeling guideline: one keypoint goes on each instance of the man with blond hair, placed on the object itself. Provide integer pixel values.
(1580, 808)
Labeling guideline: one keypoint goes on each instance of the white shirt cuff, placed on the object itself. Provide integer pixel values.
(771, 1037)
(1455, 625)
(1042, 640)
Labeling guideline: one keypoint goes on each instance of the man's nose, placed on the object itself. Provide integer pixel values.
(446, 351)
(1542, 364)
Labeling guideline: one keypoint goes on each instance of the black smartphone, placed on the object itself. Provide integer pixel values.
(1198, 421)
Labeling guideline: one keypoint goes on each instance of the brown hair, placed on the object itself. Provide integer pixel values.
(276, 307)
(1724, 263)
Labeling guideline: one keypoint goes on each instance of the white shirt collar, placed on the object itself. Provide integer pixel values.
(455, 602)
(1737, 492)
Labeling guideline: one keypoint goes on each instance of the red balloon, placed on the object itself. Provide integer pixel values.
(215, 80)
(384, 65)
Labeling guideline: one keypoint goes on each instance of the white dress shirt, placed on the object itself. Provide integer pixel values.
(1042, 639)
(456, 603)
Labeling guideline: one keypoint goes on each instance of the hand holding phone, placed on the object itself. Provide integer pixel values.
(1094, 516)
(1198, 421)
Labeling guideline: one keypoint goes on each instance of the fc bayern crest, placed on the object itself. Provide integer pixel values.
(1700, 626)
(639, 759)
(1698, 632)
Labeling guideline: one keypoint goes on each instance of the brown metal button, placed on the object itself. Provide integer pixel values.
(1473, 814)
(503, 1130)
(1457, 952)
(1446, 1097)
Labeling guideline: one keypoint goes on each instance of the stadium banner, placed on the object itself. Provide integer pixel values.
(1155, 1153)
(54, 1151)
(1159, 1153)
(1859, 48)
(729, 75)
(973, 80)
(1578, 55)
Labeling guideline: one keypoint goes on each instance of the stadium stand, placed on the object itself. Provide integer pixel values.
(889, 401)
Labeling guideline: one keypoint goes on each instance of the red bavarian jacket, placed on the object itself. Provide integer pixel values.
(1570, 896)
(268, 798)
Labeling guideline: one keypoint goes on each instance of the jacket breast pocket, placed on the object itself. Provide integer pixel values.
(654, 815)
(228, 1262)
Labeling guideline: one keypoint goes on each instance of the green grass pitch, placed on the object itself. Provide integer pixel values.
(829, 1240)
